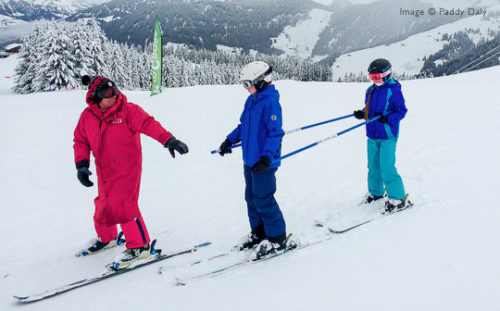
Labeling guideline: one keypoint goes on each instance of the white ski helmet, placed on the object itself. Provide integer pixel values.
(256, 74)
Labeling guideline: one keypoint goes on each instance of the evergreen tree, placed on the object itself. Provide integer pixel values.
(97, 49)
(55, 63)
(81, 50)
(25, 71)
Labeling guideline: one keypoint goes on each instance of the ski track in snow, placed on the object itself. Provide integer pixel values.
(440, 255)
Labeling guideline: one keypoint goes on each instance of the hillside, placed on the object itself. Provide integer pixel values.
(407, 56)
(440, 255)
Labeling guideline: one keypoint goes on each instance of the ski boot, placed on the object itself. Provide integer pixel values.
(369, 198)
(98, 246)
(252, 239)
(273, 246)
(132, 255)
(393, 205)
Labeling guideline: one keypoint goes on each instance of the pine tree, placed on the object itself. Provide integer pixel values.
(25, 71)
(56, 63)
(81, 50)
(116, 64)
(98, 49)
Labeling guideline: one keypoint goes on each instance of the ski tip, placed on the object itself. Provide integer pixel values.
(203, 244)
(20, 299)
(179, 282)
(318, 223)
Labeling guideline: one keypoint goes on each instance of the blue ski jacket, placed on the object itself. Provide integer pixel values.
(385, 99)
(260, 128)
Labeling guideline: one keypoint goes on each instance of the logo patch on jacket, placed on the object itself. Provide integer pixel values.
(116, 121)
(274, 117)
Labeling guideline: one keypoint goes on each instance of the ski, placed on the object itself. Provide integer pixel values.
(235, 265)
(110, 272)
(364, 222)
(337, 231)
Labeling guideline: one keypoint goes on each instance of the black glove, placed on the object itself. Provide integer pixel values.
(177, 145)
(358, 114)
(262, 165)
(83, 173)
(382, 118)
(223, 149)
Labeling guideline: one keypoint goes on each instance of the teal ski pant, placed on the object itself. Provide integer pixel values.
(382, 170)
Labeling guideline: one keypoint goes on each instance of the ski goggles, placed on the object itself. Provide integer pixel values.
(108, 93)
(379, 77)
(247, 84)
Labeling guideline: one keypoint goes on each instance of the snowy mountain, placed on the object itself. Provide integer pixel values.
(201, 24)
(29, 10)
(408, 56)
(440, 255)
(324, 31)
(20, 16)
(320, 30)
(269, 27)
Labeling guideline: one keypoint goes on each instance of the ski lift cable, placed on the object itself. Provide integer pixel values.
(477, 59)
(497, 53)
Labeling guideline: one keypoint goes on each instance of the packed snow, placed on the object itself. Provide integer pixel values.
(407, 56)
(439, 255)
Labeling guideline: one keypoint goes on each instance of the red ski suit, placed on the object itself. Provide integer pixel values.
(114, 139)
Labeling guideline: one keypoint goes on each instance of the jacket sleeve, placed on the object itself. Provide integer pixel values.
(397, 107)
(140, 121)
(81, 144)
(274, 123)
(235, 135)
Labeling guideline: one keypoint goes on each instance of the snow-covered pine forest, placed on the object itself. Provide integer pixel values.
(57, 52)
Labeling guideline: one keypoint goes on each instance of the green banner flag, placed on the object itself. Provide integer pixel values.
(156, 63)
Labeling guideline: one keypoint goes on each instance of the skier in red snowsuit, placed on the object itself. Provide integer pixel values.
(110, 127)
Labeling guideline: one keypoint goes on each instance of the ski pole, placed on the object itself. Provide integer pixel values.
(298, 129)
(325, 139)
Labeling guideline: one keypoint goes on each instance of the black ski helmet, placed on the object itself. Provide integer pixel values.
(380, 65)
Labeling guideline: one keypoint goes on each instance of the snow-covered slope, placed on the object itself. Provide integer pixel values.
(407, 55)
(300, 40)
(10, 28)
(441, 255)
(454, 4)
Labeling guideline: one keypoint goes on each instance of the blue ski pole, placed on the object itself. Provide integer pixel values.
(297, 129)
(326, 139)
